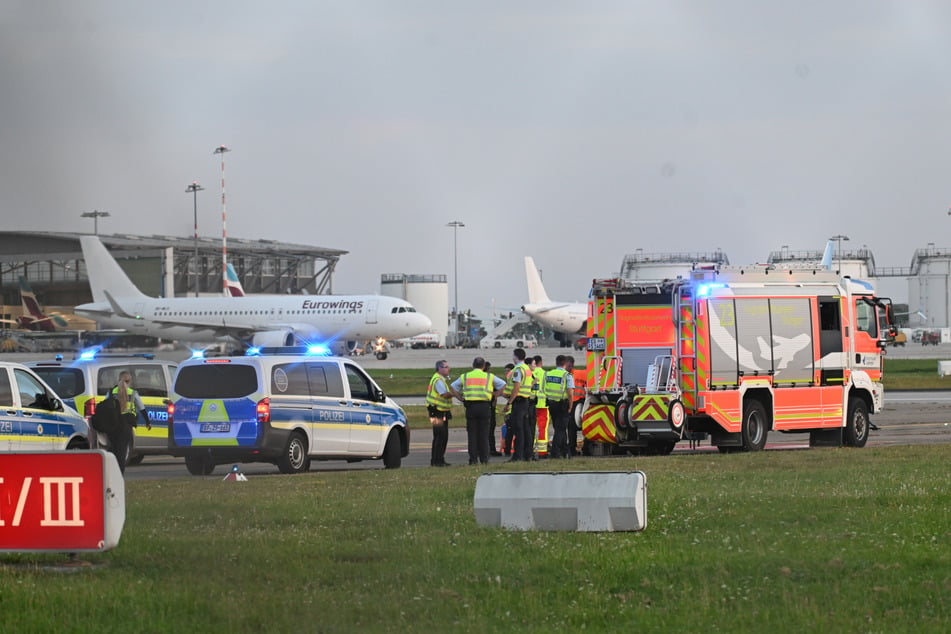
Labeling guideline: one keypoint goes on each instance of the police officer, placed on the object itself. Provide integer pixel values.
(492, 411)
(439, 405)
(558, 388)
(519, 403)
(478, 388)
(131, 410)
(508, 429)
(541, 408)
(572, 426)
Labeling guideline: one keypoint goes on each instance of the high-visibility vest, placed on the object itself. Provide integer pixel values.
(525, 388)
(130, 401)
(538, 388)
(475, 386)
(434, 398)
(556, 384)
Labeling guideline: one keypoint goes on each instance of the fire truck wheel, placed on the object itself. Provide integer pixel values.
(857, 424)
(755, 426)
(620, 414)
(576, 412)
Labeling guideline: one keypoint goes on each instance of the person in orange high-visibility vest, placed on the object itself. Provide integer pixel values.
(477, 389)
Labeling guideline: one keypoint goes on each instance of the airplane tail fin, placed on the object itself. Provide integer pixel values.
(827, 255)
(536, 290)
(28, 300)
(105, 273)
(233, 286)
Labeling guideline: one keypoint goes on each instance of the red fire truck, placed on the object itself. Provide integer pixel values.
(731, 353)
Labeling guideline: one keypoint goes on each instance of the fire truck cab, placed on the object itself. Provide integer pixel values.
(731, 353)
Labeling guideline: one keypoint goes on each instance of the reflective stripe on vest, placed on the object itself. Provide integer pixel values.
(507, 390)
(475, 386)
(525, 388)
(442, 403)
(556, 384)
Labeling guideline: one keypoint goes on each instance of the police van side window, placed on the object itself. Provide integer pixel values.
(6, 392)
(360, 388)
(289, 379)
(32, 393)
(108, 378)
(325, 379)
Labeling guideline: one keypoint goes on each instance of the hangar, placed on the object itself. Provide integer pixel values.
(161, 266)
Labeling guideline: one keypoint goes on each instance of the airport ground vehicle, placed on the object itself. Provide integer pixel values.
(87, 380)
(33, 417)
(730, 354)
(281, 405)
(526, 342)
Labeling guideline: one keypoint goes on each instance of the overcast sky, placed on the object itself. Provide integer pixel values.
(575, 132)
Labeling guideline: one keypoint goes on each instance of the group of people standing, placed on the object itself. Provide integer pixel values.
(527, 388)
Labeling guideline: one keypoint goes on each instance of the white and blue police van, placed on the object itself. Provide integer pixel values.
(33, 417)
(86, 380)
(286, 406)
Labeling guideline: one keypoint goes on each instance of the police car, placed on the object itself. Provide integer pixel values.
(286, 406)
(88, 379)
(33, 417)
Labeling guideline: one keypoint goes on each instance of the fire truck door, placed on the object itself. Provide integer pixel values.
(868, 354)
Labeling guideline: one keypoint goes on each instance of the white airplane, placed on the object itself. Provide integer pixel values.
(337, 321)
(564, 317)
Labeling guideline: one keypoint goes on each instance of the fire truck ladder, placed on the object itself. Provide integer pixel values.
(686, 345)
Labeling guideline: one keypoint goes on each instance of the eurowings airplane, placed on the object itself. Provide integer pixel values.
(338, 321)
(564, 317)
(33, 317)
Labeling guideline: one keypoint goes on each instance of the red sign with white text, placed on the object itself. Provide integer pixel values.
(59, 501)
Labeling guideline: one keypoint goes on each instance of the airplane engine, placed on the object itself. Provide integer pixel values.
(274, 338)
(343, 348)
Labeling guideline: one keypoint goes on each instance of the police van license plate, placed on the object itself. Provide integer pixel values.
(215, 428)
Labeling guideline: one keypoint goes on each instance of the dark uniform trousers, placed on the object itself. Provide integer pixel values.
(559, 421)
(477, 428)
(523, 420)
(440, 421)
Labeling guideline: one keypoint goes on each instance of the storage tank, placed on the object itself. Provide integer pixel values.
(928, 288)
(665, 266)
(428, 293)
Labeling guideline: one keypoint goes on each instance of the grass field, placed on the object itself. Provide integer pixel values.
(825, 540)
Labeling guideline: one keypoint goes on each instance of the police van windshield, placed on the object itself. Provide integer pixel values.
(216, 381)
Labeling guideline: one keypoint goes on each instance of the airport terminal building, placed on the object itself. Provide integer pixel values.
(161, 266)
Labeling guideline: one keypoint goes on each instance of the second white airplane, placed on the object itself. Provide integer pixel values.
(338, 321)
(568, 318)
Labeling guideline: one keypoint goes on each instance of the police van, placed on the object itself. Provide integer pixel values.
(88, 379)
(32, 415)
(286, 406)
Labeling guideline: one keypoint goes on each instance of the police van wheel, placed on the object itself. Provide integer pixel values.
(199, 465)
(392, 451)
(294, 459)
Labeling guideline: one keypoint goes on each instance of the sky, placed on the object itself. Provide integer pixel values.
(575, 132)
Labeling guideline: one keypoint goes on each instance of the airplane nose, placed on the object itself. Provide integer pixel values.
(424, 322)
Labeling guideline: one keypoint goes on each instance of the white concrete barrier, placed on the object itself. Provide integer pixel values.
(944, 368)
(564, 501)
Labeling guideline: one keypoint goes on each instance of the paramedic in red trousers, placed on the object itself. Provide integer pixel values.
(478, 388)
(558, 388)
(439, 406)
(519, 403)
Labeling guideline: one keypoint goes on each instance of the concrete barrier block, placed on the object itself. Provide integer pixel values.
(563, 501)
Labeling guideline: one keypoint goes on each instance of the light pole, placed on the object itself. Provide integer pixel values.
(224, 232)
(455, 224)
(839, 238)
(95, 215)
(193, 189)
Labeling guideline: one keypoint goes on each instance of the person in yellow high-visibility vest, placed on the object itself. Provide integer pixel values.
(508, 429)
(131, 410)
(478, 389)
(559, 386)
(519, 403)
(439, 405)
(541, 409)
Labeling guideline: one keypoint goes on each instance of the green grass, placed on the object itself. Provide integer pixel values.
(829, 540)
(914, 374)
